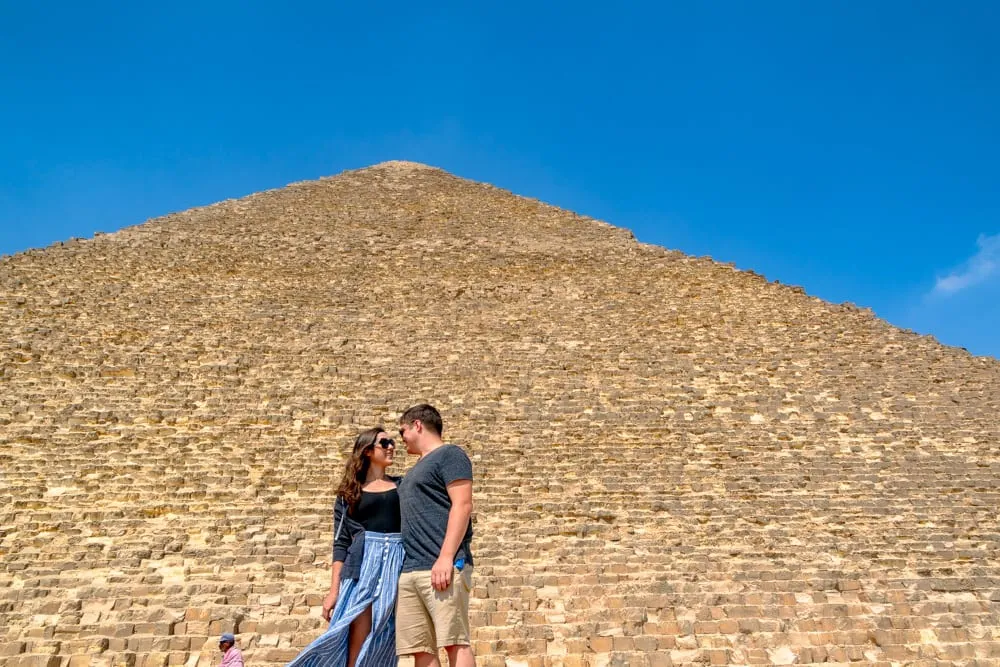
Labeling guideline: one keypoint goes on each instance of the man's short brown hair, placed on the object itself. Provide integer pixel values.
(426, 415)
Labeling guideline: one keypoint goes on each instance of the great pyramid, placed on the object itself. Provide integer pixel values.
(677, 462)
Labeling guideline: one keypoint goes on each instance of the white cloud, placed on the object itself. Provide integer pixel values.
(975, 270)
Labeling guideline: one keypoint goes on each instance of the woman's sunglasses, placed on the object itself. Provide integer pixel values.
(386, 443)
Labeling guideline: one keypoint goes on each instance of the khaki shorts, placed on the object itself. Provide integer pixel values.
(426, 619)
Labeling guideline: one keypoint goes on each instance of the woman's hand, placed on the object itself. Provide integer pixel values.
(330, 601)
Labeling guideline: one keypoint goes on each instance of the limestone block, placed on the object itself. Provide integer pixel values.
(12, 648)
(40, 661)
(601, 644)
(156, 659)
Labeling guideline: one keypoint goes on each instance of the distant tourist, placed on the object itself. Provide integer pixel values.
(231, 656)
(367, 558)
(436, 505)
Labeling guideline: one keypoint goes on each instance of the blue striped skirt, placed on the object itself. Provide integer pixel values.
(375, 588)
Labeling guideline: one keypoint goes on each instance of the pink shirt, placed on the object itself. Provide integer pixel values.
(232, 658)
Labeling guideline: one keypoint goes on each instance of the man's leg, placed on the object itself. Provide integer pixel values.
(460, 656)
(426, 660)
(451, 619)
(414, 628)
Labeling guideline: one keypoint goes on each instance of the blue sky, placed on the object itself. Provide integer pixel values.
(847, 147)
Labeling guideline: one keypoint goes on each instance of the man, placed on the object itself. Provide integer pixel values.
(435, 504)
(231, 656)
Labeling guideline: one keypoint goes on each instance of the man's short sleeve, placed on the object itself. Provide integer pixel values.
(455, 465)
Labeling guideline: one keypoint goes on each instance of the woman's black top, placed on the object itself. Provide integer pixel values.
(378, 511)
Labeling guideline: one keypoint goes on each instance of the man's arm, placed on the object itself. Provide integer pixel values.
(460, 493)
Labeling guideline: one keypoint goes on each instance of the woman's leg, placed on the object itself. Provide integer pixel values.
(356, 635)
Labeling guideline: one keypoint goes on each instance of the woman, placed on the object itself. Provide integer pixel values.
(367, 559)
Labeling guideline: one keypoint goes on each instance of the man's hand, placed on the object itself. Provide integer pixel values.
(329, 602)
(441, 573)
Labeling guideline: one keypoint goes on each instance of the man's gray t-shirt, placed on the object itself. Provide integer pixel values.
(424, 505)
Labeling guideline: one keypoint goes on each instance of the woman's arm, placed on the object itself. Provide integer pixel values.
(331, 597)
(341, 543)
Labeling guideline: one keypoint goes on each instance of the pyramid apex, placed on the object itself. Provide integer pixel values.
(402, 165)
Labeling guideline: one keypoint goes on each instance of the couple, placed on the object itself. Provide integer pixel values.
(402, 570)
